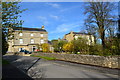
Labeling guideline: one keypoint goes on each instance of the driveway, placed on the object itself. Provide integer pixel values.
(40, 68)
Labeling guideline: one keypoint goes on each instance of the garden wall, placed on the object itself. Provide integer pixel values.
(104, 61)
(17, 53)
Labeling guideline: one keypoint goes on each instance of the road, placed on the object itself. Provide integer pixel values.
(40, 68)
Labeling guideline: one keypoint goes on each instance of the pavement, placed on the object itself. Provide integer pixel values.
(37, 68)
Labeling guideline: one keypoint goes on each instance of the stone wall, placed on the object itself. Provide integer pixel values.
(18, 54)
(104, 61)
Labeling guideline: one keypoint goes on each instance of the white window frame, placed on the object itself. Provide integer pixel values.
(21, 34)
(76, 37)
(31, 40)
(21, 41)
(41, 35)
(42, 41)
(31, 34)
(40, 48)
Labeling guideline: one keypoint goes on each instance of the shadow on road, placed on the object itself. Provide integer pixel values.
(24, 63)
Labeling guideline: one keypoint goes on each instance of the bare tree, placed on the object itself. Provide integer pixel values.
(99, 18)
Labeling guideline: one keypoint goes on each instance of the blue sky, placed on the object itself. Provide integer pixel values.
(59, 18)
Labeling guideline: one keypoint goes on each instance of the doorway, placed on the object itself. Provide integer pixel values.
(33, 48)
(20, 49)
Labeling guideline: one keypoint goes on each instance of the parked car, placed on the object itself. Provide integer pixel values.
(26, 52)
(37, 50)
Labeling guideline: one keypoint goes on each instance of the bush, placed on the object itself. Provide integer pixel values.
(95, 49)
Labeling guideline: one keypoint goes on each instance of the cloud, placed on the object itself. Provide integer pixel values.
(68, 9)
(53, 5)
(43, 20)
(54, 17)
(65, 28)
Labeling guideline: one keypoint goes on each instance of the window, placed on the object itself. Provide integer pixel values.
(41, 35)
(31, 34)
(45, 35)
(76, 37)
(21, 34)
(41, 41)
(40, 48)
(32, 40)
(21, 41)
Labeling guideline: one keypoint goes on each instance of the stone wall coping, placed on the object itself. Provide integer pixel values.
(84, 55)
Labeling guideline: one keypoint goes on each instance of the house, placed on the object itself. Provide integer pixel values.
(27, 38)
(75, 35)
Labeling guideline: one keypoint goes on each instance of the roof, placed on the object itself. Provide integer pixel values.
(79, 33)
(30, 29)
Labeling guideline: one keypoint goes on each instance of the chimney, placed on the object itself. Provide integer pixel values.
(71, 32)
(42, 27)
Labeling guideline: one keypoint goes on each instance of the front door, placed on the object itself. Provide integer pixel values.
(33, 48)
(21, 49)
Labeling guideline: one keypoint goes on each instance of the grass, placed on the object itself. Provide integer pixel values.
(4, 62)
(44, 57)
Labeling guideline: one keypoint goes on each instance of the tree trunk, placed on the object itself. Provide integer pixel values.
(103, 40)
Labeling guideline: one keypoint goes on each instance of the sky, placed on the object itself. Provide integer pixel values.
(59, 18)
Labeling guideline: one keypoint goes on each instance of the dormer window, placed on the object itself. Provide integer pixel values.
(21, 34)
(31, 34)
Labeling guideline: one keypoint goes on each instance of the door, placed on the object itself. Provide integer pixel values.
(33, 48)
(21, 49)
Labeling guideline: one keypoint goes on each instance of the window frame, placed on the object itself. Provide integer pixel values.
(31, 34)
(42, 41)
(20, 34)
(41, 35)
(21, 41)
(32, 41)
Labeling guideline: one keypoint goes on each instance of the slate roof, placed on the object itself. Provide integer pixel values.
(30, 29)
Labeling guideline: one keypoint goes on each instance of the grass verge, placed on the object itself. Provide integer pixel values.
(44, 57)
(4, 62)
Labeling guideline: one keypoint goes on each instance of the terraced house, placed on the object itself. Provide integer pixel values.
(28, 39)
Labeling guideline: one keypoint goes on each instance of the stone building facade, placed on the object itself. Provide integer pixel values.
(75, 35)
(28, 39)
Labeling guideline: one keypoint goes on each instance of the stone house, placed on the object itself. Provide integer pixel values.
(28, 39)
(75, 35)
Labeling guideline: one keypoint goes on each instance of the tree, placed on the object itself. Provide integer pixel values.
(58, 45)
(118, 35)
(4, 44)
(68, 47)
(100, 17)
(10, 15)
(80, 45)
(55, 45)
(45, 47)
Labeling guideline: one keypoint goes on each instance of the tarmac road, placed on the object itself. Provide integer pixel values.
(40, 68)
